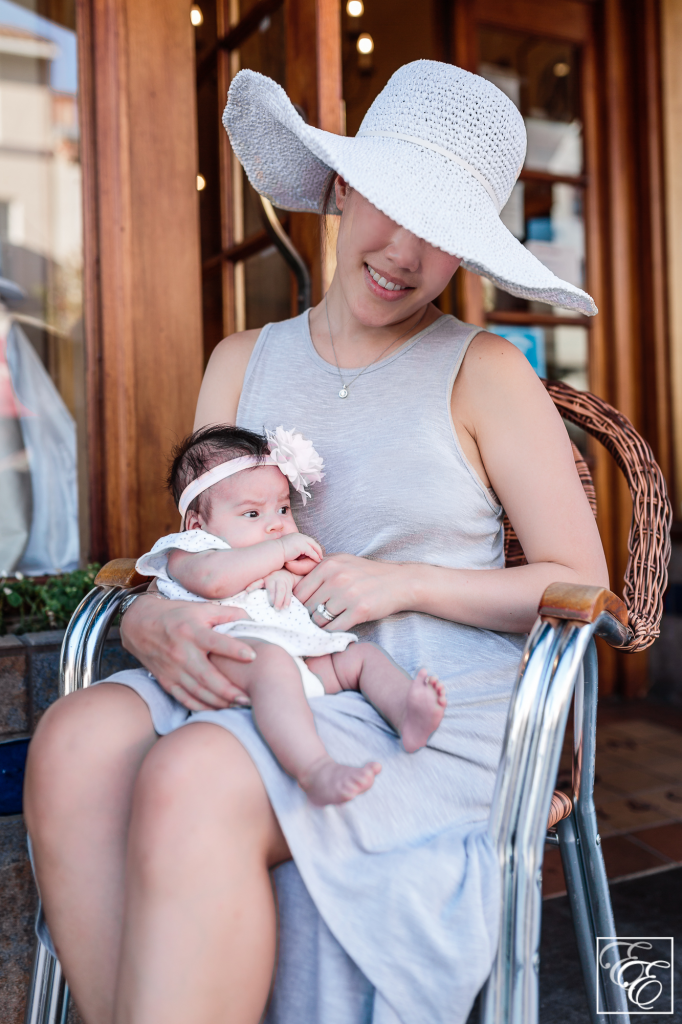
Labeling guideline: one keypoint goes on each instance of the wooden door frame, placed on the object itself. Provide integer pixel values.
(142, 284)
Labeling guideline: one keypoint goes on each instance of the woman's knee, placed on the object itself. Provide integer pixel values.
(196, 781)
(91, 738)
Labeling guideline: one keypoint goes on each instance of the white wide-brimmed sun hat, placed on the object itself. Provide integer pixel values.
(438, 152)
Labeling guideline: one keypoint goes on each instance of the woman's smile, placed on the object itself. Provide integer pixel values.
(386, 286)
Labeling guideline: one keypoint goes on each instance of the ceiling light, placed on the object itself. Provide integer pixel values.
(562, 69)
(196, 15)
(201, 183)
(355, 8)
(365, 43)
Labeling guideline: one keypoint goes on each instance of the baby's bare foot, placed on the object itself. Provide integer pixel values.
(424, 710)
(327, 782)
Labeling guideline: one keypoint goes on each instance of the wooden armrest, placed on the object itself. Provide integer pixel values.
(584, 604)
(120, 572)
(577, 603)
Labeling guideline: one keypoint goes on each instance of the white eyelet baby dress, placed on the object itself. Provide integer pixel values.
(290, 628)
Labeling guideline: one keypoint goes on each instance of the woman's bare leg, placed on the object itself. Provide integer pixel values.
(200, 923)
(80, 775)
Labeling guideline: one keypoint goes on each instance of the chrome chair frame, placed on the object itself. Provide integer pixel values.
(559, 660)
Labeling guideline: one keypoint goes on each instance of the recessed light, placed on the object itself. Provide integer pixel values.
(355, 8)
(365, 43)
(201, 183)
(196, 15)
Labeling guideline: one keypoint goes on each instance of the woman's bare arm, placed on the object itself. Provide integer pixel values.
(223, 380)
(515, 441)
(175, 640)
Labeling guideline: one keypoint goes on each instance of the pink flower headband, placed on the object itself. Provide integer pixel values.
(290, 452)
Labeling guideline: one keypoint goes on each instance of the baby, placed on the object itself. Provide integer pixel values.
(241, 547)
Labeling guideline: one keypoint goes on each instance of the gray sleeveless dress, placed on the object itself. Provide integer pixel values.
(388, 912)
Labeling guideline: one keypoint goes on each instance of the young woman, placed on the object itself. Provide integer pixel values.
(153, 855)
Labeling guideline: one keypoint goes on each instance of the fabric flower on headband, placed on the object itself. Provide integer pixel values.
(296, 458)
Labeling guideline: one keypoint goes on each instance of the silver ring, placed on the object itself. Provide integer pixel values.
(324, 612)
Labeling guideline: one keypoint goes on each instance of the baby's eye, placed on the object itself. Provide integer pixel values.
(285, 510)
(251, 514)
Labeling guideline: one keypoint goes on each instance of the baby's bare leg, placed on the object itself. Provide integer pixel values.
(283, 716)
(414, 707)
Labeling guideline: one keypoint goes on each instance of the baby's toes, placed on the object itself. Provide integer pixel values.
(440, 690)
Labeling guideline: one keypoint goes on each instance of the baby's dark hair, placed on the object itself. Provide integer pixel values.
(205, 449)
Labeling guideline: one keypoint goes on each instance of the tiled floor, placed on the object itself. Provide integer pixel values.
(638, 797)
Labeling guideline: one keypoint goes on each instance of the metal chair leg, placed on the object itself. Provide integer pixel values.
(48, 994)
(581, 852)
(580, 912)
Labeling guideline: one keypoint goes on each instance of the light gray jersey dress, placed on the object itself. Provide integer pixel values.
(389, 910)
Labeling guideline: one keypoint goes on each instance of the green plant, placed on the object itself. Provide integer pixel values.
(29, 605)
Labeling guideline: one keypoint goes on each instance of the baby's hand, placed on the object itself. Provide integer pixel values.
(279, 586)
(301, 553)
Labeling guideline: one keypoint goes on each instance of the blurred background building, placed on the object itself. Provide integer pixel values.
(138, 244)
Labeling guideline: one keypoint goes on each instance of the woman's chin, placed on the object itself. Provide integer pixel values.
(373, 313)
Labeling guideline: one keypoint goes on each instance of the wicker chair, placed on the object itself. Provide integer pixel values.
(559, 662)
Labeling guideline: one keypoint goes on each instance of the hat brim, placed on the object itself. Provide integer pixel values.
(289, 162)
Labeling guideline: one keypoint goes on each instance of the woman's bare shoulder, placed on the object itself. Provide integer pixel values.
(496, 378)
(223, 379)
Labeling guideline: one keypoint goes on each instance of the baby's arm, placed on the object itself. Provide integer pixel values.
(218, 574)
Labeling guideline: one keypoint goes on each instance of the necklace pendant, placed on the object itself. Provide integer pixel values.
(343, 393)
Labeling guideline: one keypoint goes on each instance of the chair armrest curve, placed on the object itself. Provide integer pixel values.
(581, 603)
(120, 572)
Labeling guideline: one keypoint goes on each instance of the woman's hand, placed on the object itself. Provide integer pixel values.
(175, 639)
(354, 590)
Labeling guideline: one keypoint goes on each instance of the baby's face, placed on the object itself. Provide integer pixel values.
(249, 507)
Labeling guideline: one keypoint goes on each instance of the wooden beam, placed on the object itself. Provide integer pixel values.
(143, 298)
(239, 251)
(329, 72)
(654, 347)
(561, 19)
(302, 88)
(671, 47)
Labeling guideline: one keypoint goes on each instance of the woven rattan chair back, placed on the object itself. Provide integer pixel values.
(646, 575)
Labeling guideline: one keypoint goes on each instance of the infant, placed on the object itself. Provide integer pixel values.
(241, 547)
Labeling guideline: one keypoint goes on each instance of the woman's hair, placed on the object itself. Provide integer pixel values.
(328, 192)
(325, 202)
(205, 449)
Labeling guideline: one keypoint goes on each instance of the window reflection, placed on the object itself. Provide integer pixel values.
(41, 342)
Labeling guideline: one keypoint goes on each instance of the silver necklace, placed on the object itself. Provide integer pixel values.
(343, 393)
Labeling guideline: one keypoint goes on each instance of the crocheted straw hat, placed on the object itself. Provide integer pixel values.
(438, 152)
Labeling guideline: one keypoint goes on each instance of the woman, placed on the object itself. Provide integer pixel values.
(153, 855)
